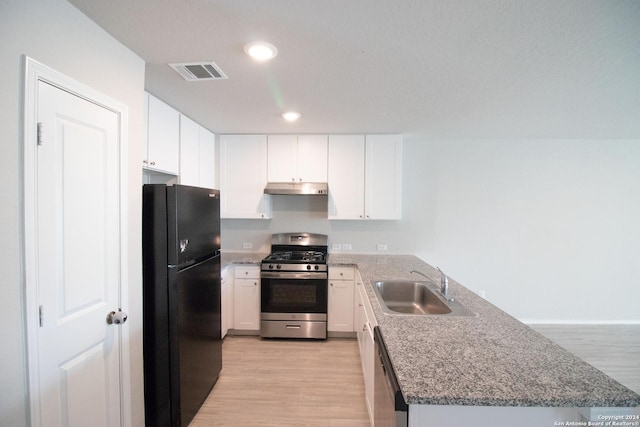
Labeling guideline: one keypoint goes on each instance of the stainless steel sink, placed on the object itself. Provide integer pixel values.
(415, 298)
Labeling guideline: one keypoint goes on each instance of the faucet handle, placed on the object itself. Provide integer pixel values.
(444, 285)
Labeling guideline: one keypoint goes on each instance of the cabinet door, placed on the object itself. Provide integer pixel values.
(346, 176)
(226, 304)
(224, 308)
(312, 158)
(359, 320)
(340, 306)
(243, 176)
(246, 305)
(164, 137)
(145, 135)
(365, 324)
(383, 178)
(369, 357)
(207, 159)
(282, 158)
(189, 151)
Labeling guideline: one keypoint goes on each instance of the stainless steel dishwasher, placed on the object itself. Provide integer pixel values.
(390, 408)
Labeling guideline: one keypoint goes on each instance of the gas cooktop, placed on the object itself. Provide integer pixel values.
(297, 256)
(297, 252)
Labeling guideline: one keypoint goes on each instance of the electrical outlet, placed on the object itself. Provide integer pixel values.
(381, 247)
(336, 246)
(346, 246)
(247, 245)
(482, 293)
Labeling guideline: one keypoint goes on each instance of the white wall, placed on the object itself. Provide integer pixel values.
(548, 228)
(54, 33)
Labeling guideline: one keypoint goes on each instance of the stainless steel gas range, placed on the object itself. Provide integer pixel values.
(294, 287)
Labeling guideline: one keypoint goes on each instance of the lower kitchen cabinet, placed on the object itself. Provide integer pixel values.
(364, 324)
(246, 298)
(340, 299)
(226, 309)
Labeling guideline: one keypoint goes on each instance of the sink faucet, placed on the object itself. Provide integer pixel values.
(444, 283)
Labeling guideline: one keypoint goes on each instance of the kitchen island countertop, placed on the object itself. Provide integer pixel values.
(491, 359)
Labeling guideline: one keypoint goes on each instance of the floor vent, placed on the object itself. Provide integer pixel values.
(197, 71)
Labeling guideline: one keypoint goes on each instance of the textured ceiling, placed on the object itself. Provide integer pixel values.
(441, 69)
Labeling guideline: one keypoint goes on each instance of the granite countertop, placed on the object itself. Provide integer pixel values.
(491, 359)
(231, 258)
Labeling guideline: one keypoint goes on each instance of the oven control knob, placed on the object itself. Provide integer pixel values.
(270, 266)
(308, 266)
(317, 267)
(278, 266)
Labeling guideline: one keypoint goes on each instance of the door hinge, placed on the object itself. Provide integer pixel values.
(41, 314)
(39, 133)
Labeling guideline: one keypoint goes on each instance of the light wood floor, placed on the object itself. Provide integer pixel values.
(287, 383)
(613, 349)
(319, 383)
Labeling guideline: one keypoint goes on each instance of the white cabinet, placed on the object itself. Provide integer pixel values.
(383, 177)
(364, 324)
(340, 299)
(197, 154)
(365, 177)
(226, 303)
(208, 159)
(246, 298)
(369, 367)
(346, 177)
(163, 136)
(189, 151)
(297, 158)
(243, 176)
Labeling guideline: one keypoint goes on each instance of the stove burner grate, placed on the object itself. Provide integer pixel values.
(297, 256)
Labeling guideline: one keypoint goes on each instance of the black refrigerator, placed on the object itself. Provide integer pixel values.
(181, 300)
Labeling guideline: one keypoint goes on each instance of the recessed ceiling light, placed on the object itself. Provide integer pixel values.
(260, 51)
(291, 116)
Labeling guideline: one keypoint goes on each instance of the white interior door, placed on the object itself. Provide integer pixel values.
(78, 261)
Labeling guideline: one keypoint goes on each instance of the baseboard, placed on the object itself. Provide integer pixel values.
(242, 332)
(350, 335)
(578, 322)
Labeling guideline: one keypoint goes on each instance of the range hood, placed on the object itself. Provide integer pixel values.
(297, 188)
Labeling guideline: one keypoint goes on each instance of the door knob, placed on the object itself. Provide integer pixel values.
(116, 317)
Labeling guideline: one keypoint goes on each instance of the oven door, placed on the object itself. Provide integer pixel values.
(295, 292)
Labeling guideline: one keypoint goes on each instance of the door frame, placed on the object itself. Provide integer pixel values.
(34, 72)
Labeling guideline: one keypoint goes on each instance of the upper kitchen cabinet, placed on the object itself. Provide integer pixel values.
(297, 158)
(383, 177)
(346, 177)
(365, 177)
(243, 176)
(163, 137)
(208, 159)
(197, 154)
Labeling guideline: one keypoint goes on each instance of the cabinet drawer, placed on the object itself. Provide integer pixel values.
(247, 272)
(341, 273)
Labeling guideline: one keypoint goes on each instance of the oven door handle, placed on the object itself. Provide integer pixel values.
(291, 275)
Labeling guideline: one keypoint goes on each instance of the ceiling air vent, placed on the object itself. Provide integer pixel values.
(196, 71)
